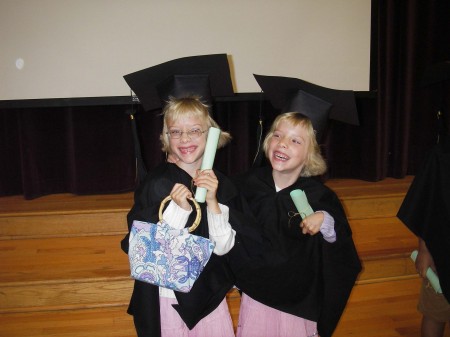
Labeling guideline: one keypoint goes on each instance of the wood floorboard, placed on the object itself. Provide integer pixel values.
(67, 277)
(383, 310)
(68, 258)
(99, 322)
(374, 310)
(65, 202)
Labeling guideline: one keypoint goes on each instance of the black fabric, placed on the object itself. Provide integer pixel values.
(281, 91)
(216, 279)
(80, 150)
(314, 108)
(407, 37)
(426, 209)
(299, 274)
(98, 141)
(153, 85)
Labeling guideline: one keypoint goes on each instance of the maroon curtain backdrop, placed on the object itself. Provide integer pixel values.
(89, 149)
(408, 37)
(82, 150)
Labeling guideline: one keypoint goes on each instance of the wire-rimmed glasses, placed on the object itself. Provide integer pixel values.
(192, 134)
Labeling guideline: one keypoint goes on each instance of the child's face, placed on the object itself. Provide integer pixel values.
(189, 148)
(288, 148)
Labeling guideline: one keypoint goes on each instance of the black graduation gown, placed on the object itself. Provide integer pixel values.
(215, 280)
(426, 209)
(299, 274)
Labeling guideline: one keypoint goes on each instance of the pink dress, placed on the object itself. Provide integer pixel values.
(259, 320)
(216, 324)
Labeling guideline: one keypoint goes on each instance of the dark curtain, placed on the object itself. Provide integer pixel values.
(408, 37)
(82, 150)
(89, 150)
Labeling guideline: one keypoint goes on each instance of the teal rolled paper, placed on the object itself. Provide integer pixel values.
(301, 203)
(431, 275)
(208, 159)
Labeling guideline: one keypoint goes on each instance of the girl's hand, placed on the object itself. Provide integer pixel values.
(180, 194)
(424, 260)
(312, 223)
(207, 179)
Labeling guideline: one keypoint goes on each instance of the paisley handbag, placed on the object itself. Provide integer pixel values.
(168, 257)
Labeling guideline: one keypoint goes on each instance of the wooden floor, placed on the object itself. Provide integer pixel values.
(62, 272)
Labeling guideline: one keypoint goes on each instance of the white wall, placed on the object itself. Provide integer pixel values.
(82, 48)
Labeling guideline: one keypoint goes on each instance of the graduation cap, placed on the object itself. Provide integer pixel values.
(207, 76)
(316, 109)
(281, 91)
(318, 103)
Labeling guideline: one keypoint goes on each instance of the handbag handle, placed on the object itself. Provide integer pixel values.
(197, 209)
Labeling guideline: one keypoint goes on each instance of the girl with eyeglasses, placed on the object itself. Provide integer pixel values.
(203, 312)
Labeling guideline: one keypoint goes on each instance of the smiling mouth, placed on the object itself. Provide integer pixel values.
(280, 156)
(187, 150)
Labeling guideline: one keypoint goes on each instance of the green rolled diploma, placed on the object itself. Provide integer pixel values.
(208, 159)
(431, 275)
(301, 203)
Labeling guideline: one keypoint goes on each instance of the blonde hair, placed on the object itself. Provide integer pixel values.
(315, 164)
(189, 106)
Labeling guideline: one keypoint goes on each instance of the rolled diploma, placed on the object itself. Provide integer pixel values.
(208, 159)
(431, 275)
(301, 203)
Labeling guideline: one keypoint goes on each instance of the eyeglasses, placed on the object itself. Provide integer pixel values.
(192, 134)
